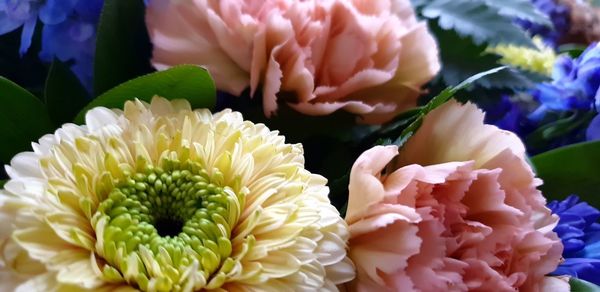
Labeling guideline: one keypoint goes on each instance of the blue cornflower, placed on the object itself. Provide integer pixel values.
(558, 14)
(69, 32)
(579, 230)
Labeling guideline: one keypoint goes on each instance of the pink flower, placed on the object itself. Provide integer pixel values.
(455, 209)
(367, 57)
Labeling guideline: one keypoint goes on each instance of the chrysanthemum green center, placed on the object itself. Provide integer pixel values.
(157, 225)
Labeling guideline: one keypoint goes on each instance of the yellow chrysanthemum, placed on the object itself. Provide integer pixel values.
(540, 60)
(162, 198)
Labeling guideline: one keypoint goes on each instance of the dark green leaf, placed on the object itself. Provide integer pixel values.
(2, 183)
(523, 9)
(23, 119)
(181, 82)
(569, 170)
(123, 49)
(478, 20)
(462, 58)
(440, 99)
(555, 129)
(64, 94)
(573, 50)
(578, 285)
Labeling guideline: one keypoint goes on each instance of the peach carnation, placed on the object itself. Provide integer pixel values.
(455, 209)
(367, 57)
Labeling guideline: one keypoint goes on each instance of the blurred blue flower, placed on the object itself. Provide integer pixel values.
(579, 230)
(593, 130)
(73, 39)
(17, 13)
(69, 32)
(575, 87)
(509, 114)
(558, 14)
(575, 84)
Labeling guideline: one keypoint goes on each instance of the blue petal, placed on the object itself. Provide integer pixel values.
(27, 35)
(7, 24)
(593, 131)
(89, 10)
(563, 67)
(56, 11)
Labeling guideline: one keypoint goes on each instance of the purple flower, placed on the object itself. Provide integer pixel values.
(74, 39)
(575, 87)
(579, 230)
(69, 32)
(558, 14)
(509, 114)
(17, 13)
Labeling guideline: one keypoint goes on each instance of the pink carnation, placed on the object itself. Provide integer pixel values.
(367, 57)
(455, 209)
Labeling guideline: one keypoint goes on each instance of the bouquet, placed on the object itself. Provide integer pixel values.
(281, 145)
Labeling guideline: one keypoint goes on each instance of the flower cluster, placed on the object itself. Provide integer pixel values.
(69, 32)
(574, 89)
(579, 230)
(158, 196)
(367, 57)
(575, 86)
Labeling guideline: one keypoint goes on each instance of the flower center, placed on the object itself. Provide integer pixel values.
(167, 228)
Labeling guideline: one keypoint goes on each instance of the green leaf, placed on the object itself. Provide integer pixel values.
(478, 20)
(123, 48)
(578, 285)
(573, 169)
(64, 94)
(556, 129)
(23, 119)
(462, 58)
(573, 50)
(438, 100)
(2, 183)
(181, 82)
(523, 9)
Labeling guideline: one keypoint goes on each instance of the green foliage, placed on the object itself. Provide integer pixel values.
(462, 58)
(181, 82)
(64, 95)
(578, 285)
(466, 28)
(23, 118)
(556, 128)
(484, 22)
(438, 100)
(2, 183)
(122, 47)
(573, 169)
(395, 132)
(522, 9)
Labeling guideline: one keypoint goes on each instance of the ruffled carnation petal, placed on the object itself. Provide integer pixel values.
(462, 194)
(297, 51)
